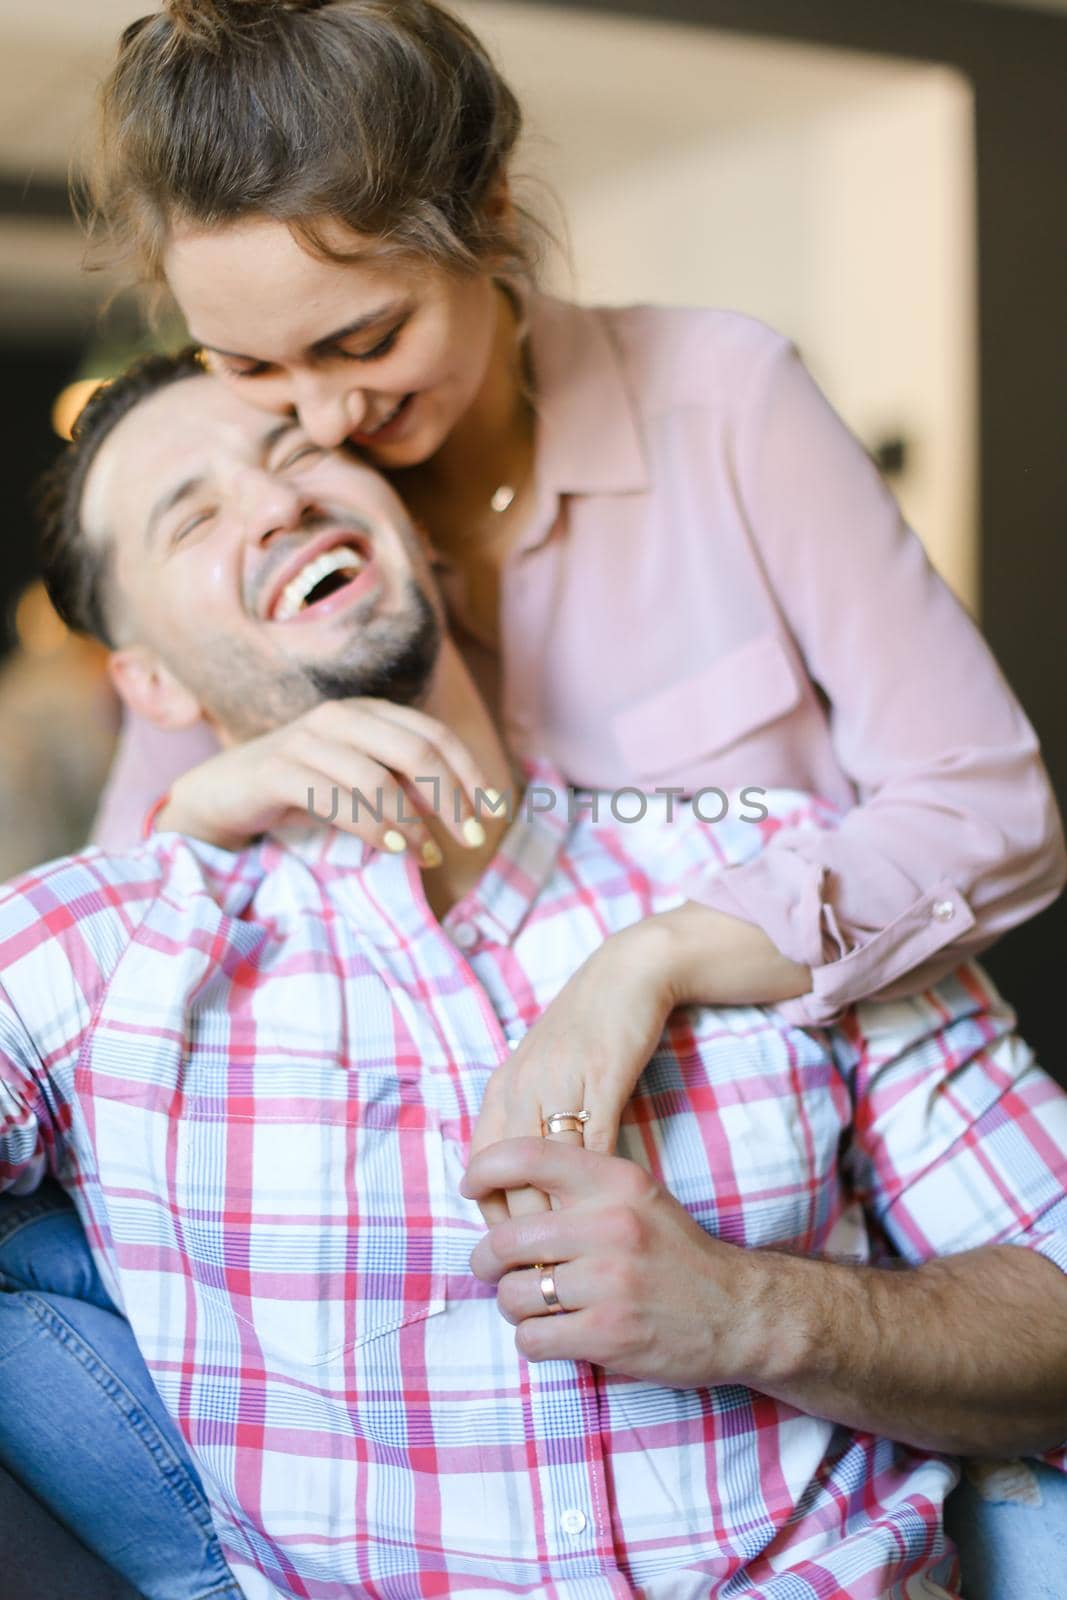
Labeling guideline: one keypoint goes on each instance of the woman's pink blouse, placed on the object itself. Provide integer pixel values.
(716, 590)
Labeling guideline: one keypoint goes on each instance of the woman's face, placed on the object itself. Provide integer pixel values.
(389, 355)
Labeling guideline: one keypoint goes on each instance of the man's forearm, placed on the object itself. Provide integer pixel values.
(966, 1354)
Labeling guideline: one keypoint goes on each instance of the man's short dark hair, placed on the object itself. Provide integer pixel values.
(76, 572)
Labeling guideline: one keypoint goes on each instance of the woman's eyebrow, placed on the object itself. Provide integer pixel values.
(368, 320)
(360, 325)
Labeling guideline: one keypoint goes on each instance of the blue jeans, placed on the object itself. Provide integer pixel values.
(81, 1425)
(1012, 1549)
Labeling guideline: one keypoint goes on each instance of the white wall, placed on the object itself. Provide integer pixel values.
(828, 192)
(891, 295)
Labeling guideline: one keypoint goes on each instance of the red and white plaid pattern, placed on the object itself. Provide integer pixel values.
(259, 1073)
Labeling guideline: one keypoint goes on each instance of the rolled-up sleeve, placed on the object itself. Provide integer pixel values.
(959, 1138)
(956, 836)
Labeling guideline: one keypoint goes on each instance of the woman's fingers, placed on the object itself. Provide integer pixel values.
(523, 1112)
(494, 1208)
(507, 1112)
(472, 780)
(525, 1202)
(376, 773)
(432, 768)
(521, 1202)
(356, 793)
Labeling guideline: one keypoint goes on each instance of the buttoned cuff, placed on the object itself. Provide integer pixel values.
(788, 897)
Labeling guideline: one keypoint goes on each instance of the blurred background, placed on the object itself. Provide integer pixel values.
(881, 179)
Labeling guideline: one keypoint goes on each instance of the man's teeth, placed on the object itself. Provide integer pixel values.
(295, 594)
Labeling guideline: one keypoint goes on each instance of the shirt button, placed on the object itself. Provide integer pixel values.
(944, 911)
(465, 935)
(572, 1522)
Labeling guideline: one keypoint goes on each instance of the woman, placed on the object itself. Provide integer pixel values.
(325, 187)
(588, 480)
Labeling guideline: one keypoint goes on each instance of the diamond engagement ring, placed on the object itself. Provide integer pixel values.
(564, 1122)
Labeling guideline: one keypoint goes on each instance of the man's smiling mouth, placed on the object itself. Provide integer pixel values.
(321, 577)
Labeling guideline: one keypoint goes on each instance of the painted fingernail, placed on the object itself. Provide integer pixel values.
(394, 841)
(473, 833)
(492, 797)
(431, 855)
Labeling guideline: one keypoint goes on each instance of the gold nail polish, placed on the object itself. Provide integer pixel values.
(394, 841)
(431, 855)
(473, 832)
(493, 798)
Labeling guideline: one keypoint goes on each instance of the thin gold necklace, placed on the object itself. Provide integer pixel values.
(504, 493)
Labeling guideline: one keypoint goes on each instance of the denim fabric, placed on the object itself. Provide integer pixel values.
(1012, 1549)
(81, 1426)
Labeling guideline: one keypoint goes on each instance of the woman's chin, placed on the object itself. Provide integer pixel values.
(410, 451)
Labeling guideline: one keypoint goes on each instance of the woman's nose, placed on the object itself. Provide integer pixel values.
(329, 416)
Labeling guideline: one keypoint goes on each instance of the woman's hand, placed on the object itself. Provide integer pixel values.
(586, 1051)
(403, 763)
(590, 1046)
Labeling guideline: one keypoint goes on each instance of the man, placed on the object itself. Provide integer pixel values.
(258, 1073)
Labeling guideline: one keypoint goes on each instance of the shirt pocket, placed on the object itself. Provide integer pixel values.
(709, 710)
(308, 1223)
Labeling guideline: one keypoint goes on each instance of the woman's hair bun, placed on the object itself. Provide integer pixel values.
(205, 20)
(386, 116)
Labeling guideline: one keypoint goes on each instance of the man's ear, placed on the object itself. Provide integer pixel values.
(151, 689)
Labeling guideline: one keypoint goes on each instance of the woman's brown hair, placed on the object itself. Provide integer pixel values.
(387, 115)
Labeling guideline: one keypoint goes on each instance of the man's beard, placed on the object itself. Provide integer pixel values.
(391, 658)
(401, 673)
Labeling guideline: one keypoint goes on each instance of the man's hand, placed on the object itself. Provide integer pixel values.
(965, 1354)
(407, 761)
(647, 1292)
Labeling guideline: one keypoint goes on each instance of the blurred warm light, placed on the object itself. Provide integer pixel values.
(72, 402)
(40, 631)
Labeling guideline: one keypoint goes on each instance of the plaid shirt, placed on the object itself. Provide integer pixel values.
(258, 1074)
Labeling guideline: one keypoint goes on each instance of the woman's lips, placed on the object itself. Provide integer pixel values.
(388, 430)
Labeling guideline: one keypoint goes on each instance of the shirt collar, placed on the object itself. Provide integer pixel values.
(508, 889)
(505, 893)
(588, 438)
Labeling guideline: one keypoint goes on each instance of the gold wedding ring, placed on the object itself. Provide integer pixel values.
(564, 1122)
(548, 1287)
